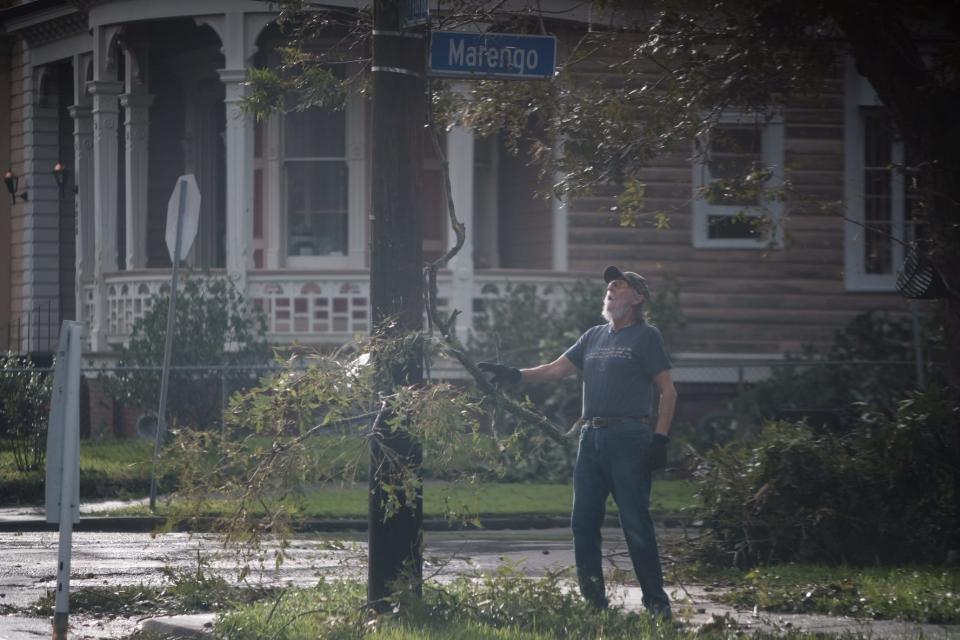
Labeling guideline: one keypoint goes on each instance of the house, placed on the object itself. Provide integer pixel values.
(129, 94)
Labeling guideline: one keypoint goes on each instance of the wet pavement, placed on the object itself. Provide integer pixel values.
(27, 565)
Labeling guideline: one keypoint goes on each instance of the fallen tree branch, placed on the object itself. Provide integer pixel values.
(446, 325)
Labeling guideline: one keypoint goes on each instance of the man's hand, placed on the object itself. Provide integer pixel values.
(500, 373)
(657, 458)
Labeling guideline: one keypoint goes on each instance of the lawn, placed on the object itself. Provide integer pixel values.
(919, 593)
(112, 468)
(108, 469)
(486, 499)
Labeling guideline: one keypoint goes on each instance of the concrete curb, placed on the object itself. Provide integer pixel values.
(197, 625)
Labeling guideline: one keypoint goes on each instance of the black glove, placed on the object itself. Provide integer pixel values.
(501, 373)
(657, 458)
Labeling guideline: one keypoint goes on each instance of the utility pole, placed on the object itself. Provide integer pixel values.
(396, 283)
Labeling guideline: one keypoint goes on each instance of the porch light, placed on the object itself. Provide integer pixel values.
(60, 174)
(12, 180)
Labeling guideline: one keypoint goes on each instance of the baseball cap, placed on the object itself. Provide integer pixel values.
(635, 280)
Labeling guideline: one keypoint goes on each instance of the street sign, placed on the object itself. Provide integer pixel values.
(457, 54)
(185, 201)
(414, 13)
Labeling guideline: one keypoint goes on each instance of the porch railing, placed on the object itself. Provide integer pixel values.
(306, 306)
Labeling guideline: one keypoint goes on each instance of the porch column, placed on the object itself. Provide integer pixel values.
(81, 114)
(83, 200)
(137, 132)
(105, 166)
(460, 162)
(239, 143)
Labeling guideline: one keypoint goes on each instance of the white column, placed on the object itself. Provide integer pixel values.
(272, 196)
(460, 162)
(137, 135)
(239, 143)
(105, 164)
(82, 168)
(83, 200)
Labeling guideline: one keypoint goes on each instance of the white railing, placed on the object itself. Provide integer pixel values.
(498, 283)
(128, 297)
(312, 307)
(329, 307)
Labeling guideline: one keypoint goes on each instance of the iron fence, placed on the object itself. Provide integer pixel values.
(35, 332)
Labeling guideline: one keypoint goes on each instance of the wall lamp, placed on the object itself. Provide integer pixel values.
(11, 180)
(60, 174)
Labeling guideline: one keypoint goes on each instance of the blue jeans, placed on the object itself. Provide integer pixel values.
(614, 460)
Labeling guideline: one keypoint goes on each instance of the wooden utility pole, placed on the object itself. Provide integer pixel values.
(396, 284)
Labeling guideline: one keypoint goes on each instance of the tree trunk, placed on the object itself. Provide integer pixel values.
(396, 290)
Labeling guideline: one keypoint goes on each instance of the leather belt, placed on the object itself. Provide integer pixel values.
(612, 422)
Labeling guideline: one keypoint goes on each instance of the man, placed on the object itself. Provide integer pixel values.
(617, 451)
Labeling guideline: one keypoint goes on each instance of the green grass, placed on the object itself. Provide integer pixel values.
(505, 606)
(108, 469)
(486, 499)
(916, 594)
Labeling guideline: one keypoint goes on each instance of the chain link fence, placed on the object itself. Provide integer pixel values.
(118, 410)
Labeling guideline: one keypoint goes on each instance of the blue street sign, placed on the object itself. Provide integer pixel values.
(456, 54)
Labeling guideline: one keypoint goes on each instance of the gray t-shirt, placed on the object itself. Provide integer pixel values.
(618, 367)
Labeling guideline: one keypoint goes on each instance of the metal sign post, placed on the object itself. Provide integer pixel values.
(63, 463)
(183, 212)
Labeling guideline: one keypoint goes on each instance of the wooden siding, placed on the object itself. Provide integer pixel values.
(743, 301)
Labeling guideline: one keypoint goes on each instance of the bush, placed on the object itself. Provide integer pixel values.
(883, 492)
(24, 405)
(214, 328)
(871, 337)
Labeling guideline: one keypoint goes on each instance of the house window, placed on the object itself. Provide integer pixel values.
(742, 162)
(880, 203)
(316, 182)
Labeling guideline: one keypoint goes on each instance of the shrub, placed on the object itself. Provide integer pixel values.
(214, 328)
(884, 491)
(871, 337)
(24, 400)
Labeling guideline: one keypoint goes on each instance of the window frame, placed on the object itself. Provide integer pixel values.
(858, 93)
(355, 160)
(772, 154)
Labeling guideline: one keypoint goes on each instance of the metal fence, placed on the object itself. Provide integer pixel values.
(35, 331)
(117, 433)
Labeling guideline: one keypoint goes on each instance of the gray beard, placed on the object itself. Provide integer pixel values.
(613, 313)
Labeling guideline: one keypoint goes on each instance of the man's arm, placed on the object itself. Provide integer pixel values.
(668, 401)
(556, 370)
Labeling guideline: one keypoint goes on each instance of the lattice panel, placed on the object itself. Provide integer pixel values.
(313, 308)
(128, 302)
